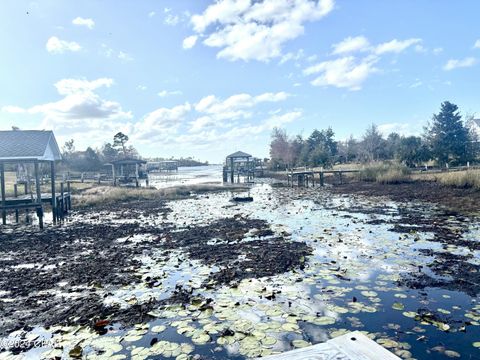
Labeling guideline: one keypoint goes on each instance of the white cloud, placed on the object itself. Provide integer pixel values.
(165, 93)
(161, 122)
(13, 109)
(74, 86)
(292, 56)
(56, 46)
(396, 46)
(171, 20)
(351, 70)
(346, 72)
(89, 23)
(189, 42)
(437, 50)
(403, 129)
(235, 106)
(416, 84)
(246, 30)
(351, 44)
(459, 63)
(124, 56)
(477, 44)
(151, 14)
(81, 113)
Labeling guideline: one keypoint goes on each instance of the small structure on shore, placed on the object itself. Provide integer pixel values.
(162, 166)
(127, 170)
(26, 147)
(240, 164)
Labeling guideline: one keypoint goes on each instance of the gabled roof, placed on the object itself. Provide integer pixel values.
(28, 145)
(477, 122)
(239, 154)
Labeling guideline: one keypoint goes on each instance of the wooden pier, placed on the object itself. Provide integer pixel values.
(305, 177)
(351, 346)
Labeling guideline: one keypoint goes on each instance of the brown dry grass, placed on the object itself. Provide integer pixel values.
(459, 179)
(109, 195)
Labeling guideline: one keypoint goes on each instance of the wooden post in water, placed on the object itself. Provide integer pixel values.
(2, 185)
(54, 198)
(232, 175)
(62, 211)
(114, 175)
(15, 194)
(39, 196)
(136, 175)
(322, 180)
(69, 198)
(341, 179)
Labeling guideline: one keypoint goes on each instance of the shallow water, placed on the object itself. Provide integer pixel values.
(350, 282)
(193, 175)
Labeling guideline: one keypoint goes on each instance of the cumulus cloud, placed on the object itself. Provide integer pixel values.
(477, 44)
(356, 61)
(56, 46)
(161, 122)
(346, 72)
(459, 63)
(351, 44)
(396, 46)
(79, 21)
(235, 106)
(84, 114)
(189, 42)
(81, 112)
(256, 30)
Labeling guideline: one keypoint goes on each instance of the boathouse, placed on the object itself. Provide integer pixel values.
(22, 149)
(127, 170)
(238, 164)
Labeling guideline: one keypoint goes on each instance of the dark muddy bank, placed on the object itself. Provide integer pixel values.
(457, 199)
(60, 276)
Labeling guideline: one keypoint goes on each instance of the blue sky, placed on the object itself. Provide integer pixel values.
(206, 78)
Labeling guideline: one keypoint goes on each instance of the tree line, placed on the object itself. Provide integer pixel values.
(94, 159)
(447, 139)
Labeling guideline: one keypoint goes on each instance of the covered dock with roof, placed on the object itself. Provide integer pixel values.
(241, 164)
(22, 149)
(127, 170)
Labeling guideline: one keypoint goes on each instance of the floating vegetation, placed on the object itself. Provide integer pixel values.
(210, 277)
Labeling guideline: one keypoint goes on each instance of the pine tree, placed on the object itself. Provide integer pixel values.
(447, 135)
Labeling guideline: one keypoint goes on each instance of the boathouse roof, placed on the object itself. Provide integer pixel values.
(239, 154)
(18, 145)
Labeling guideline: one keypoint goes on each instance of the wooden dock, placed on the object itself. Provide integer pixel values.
(351, 346)
(305, 177)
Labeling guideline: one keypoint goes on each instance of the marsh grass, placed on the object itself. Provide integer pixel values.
(385, 173)
(106, 195)
(460, 179)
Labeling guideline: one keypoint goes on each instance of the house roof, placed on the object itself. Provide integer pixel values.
(477, 122)
(17, 145)
(239, 154)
